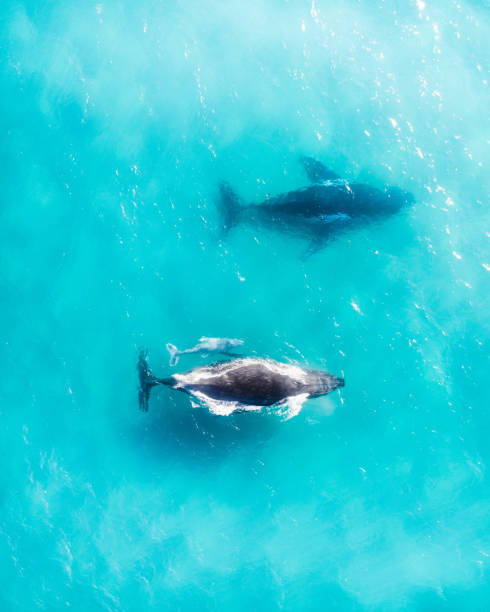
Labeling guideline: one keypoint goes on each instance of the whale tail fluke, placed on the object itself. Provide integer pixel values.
(174, 354)
(147, 381)
(229, 205)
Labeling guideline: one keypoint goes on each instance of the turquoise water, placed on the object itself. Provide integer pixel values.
(118, 121)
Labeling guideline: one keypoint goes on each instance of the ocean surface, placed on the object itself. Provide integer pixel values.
(118, 121)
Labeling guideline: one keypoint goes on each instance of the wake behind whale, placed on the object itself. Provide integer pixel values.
(320, 212)
(243, 384)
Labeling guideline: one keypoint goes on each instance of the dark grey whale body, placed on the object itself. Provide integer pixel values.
(242, 384)
(323, 210)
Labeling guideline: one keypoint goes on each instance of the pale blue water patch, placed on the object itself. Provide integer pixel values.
(118, 122)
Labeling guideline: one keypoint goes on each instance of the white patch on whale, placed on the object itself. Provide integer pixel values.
(332, 218)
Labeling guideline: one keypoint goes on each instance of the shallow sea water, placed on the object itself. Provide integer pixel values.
(118, 121)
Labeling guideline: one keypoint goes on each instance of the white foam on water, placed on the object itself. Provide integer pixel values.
(290, 408)
(224, 408)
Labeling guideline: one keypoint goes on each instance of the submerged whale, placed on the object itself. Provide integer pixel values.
(242, 384)
(328, 207)
(204, 347)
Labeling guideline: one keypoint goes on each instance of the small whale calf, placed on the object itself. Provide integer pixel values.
(205, 346)
(243, 384)
(320, 212)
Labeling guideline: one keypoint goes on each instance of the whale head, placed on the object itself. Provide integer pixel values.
(399, 197)
(320, 383)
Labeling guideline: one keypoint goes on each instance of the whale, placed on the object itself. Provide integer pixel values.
(204, 347)
(242, 384)
(320, 212)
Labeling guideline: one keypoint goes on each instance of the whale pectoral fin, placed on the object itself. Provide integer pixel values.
(174, 354)
(316, 171)
(315, 245)
(295, 403)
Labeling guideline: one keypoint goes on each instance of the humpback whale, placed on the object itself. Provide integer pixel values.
(320, 212)
(205, 346)
(242, 384)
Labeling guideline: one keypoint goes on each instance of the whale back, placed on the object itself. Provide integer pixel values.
(257, 382)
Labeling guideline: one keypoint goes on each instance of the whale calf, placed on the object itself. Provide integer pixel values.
(205, 346)
(319, 212)
(242, 384)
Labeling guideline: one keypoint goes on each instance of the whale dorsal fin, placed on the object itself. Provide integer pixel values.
(316, 171)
